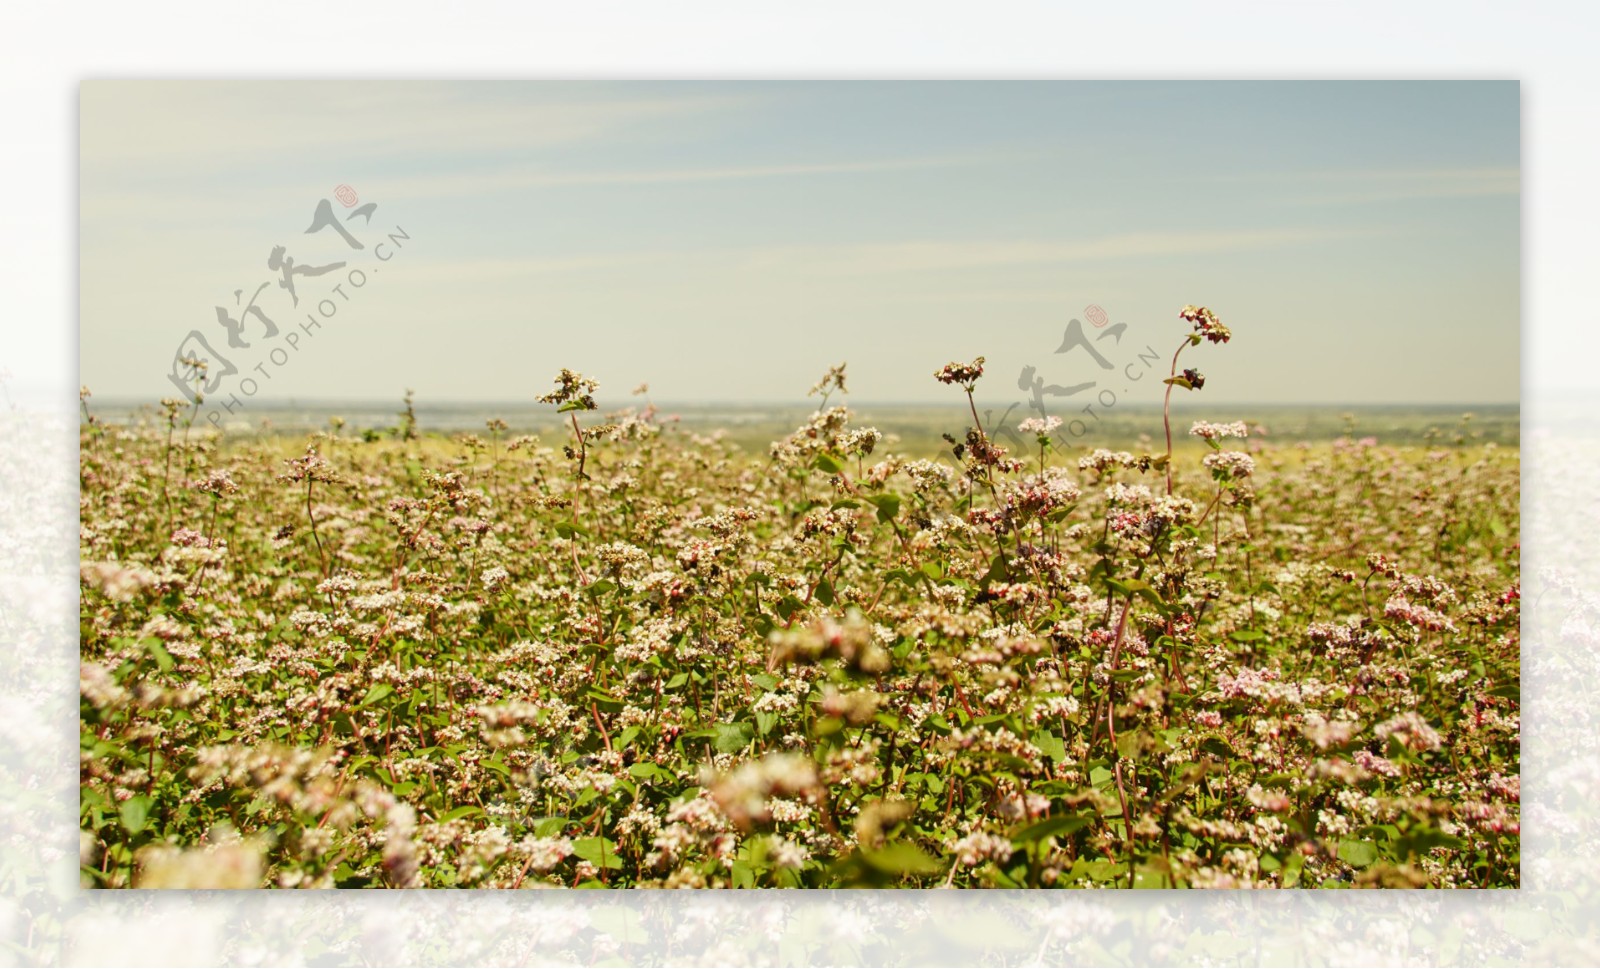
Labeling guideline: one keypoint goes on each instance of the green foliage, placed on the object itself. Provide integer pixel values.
(664, 660)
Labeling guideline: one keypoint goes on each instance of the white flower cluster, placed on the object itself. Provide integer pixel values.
(1412, 730)
(1044, 426)
(1225, 465)
(1101, 459)
(1212, 432)
(981, 846)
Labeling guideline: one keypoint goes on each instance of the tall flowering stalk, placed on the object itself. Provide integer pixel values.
(1041, 428)
(169, 411)
(980, 454)
(170, 408)
(1206, 326)
(831, 381)
(218, 485)
(408, 416)
(310, 469)
(496, 428)
(574, 392)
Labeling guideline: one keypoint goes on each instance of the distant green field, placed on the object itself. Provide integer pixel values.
(920, 428)
(914, 429)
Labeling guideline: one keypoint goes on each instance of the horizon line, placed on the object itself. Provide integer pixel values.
(123, 400)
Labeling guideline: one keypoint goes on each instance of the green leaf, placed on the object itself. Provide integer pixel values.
(1510, 691)
(1050, 745)
(829, 463)
(997, 570)
(1422, 839)
(1291, 869)
(1137, 587)
(460, 812)
(378, 692)
(600, 852)
(1358, 854)
(730, 738)
(159, 653)
(902, 858)
(1049, 827)
(888, 506)
(827, 726)
(548, 827)
(1130, 742)
(135, 813)
(900, 575)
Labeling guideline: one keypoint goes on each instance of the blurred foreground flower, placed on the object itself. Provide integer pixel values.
(229, 861)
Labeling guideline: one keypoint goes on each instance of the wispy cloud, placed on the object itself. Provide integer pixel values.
(909, 256)
(1370, 175)
(460, 183)
(109, 199)
(923, 256)
(1412, 193)
(1356, 186)
(223, 124)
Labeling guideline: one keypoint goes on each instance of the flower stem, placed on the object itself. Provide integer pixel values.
(1166, 412)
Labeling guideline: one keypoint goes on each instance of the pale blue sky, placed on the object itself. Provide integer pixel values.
(729, 241)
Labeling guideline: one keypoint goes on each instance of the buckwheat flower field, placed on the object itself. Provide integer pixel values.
(630, 655)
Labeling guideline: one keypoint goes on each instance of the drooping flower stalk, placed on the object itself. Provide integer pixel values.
(1206, 326)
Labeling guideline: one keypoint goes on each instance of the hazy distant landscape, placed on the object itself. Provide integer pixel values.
(918, 426)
